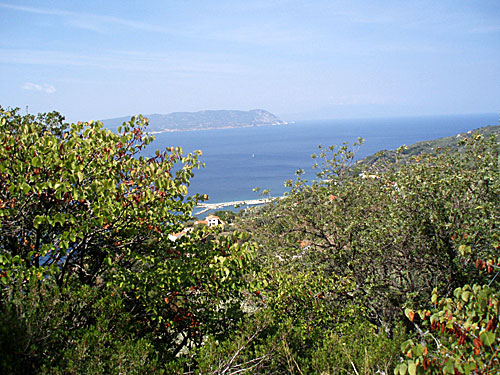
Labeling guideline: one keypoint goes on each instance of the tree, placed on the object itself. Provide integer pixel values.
(75, 196)
(80, 207)
(461, 332)
(395, 231)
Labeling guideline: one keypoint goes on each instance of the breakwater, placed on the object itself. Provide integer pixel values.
(204, 207)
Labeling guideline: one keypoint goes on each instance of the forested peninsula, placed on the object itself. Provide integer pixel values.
(203, 120)
(381, 267)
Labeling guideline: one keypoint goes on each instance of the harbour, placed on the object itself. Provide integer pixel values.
(205, 207)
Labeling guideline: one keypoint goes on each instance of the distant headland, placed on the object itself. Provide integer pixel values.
(203, 120)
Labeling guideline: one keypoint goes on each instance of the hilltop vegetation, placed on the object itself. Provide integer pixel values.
(426, 147)
(203, 120)
(381, 268)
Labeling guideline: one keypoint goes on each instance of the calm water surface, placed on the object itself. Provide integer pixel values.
(238, 160)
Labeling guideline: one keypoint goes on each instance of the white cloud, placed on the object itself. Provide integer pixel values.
(190, 63)
(32, 86)
(91, 21)
(263, 34)
(488, 29)
(48, 89)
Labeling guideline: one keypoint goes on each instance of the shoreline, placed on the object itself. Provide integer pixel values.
(217, 128)
(215, 206)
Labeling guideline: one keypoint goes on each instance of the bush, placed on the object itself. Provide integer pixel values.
(83, 217)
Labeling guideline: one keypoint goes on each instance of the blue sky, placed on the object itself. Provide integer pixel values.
(299, 59)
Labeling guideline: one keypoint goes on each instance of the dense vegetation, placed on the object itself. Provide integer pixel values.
(429, 146)
(376, 268)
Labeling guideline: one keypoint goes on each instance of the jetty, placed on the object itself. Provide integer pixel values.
(204, 207)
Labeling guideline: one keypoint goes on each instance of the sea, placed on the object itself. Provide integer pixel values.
(242, 159)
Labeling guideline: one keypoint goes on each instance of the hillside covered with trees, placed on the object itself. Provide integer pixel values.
(203, 120)
(385, 267)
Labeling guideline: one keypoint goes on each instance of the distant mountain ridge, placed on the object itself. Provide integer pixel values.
(203, 120)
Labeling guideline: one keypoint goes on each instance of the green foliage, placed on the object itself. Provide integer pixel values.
(405, 155)
(335, 162)
(298, 323)
(269, 342)
(70, 331)
(91, 283)
(393, 233)
(396, 234)
(461, 334)
(80, 209)
(227, 216)
(75, 197)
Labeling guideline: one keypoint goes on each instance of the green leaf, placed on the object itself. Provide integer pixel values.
(418, 350)
(25, 187)
(469, 367)
(434, 298)
(405, 346)
(464, 250)
(449, 367)
(488, 338)
(412, 368)
(466, 295)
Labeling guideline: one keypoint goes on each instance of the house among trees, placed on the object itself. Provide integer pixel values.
(210, 221)
(175, 236)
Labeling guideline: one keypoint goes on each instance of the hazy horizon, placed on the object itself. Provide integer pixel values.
(297, 59)
(318, 117)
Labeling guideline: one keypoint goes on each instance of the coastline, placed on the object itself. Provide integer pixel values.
(205, 207)
(232, 172)
(219, 128)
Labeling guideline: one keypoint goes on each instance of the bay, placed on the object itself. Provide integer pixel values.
(238, 160)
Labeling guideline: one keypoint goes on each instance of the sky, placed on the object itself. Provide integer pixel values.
(298, 59)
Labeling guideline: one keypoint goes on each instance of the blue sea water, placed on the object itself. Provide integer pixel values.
(238, 160)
